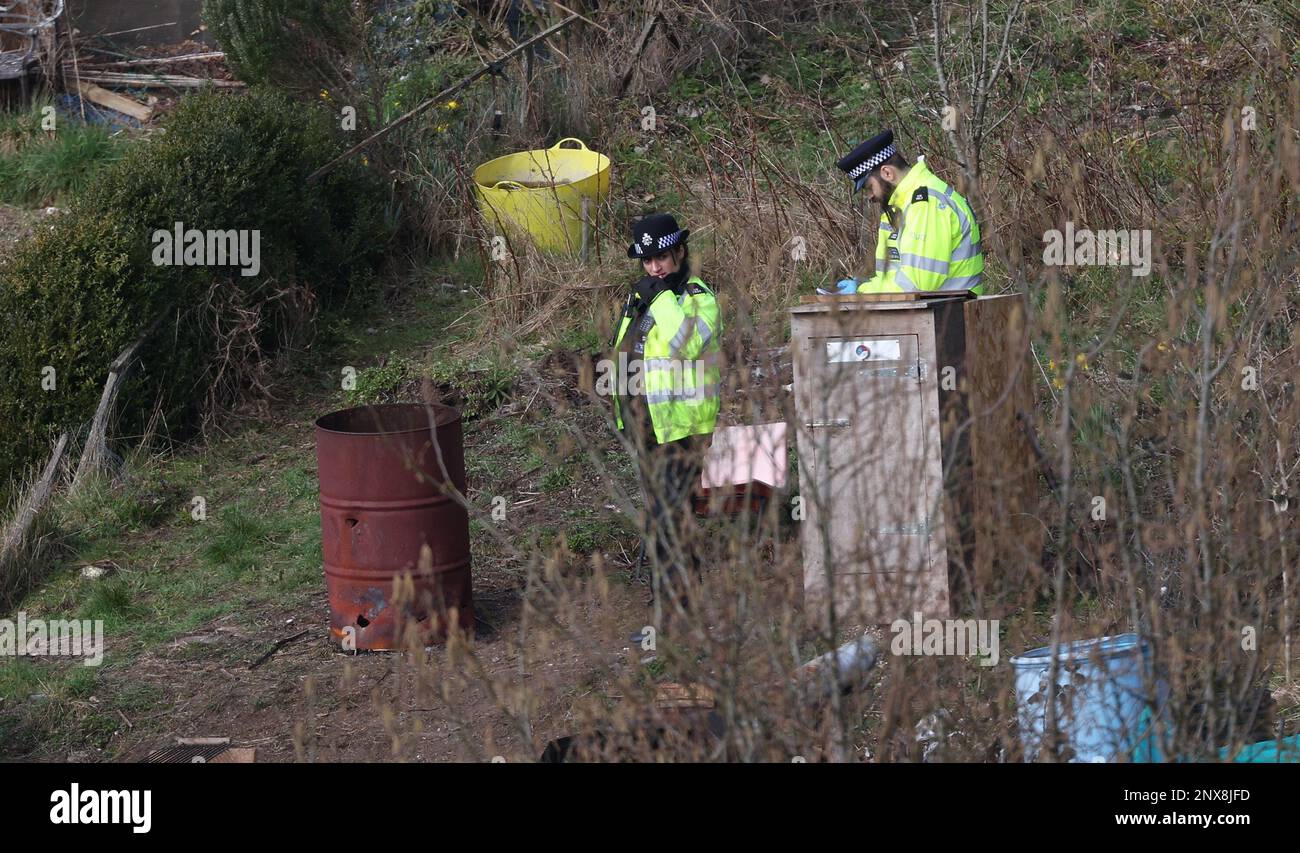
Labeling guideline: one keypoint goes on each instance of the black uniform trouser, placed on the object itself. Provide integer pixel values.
(668, 488)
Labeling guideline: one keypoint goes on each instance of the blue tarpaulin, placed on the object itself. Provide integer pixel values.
(71, 105)
(1279, 751)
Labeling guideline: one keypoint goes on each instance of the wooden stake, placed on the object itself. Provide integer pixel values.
(96, 449)
(32, 503)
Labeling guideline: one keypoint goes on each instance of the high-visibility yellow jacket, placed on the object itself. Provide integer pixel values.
(682, 363)
(933, 241)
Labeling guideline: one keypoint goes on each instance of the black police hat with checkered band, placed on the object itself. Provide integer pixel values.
(656, 233)
(859, 163)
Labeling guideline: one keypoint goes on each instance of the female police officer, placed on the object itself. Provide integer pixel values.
(669, 334)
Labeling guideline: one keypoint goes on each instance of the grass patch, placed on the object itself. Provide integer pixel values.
(588, 536)
(556, 479)
(238, 540)
(111, 600)
(43, 167)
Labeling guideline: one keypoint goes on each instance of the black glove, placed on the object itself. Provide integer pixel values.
(648, 288)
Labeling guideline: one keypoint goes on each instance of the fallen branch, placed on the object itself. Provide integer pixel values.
(489, 67)
(153, 81)
(626, 77)
(32, 503)
(135, 30)
(279, 644)
(161, 60)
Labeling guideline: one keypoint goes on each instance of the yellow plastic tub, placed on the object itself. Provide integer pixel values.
(540, 193)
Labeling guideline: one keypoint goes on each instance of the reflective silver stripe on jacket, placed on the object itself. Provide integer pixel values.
(965, 248)
(697, 394)
(679, 339)
(923, 263)
(705, 361)
(965, 282)
(706, 334)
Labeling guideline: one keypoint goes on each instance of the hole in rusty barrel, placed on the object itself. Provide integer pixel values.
(402, 467)
(388, 418)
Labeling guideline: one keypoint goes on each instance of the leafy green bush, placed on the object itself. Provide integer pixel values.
(286, 42)
(379, 383)
(84, 289)
(242, 162)
(476, 389)
(74, 289)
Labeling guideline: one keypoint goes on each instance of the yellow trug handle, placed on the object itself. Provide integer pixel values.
(581, 144)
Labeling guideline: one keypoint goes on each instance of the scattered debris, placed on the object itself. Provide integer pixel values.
(845, 670)
(279, 644)
(153, 81)
(203, 750)
(95, 571)
(159, 60)
(774, 363)
(237, 755)
(113, 100)
(933, 731)
(670, 694)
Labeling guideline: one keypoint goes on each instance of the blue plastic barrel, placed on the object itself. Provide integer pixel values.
(1101, 689)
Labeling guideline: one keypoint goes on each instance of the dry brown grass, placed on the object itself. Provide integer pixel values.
(1141, 402)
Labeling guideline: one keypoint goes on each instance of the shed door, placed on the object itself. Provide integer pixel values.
(869, 448)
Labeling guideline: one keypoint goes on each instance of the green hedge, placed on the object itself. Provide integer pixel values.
(77, 292)
(282, 42)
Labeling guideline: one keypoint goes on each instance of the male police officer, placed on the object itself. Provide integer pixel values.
(928, 239)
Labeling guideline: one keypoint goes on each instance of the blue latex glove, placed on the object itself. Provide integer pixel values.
(847, 285)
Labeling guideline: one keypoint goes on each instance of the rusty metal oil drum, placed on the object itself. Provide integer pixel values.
(386, 478)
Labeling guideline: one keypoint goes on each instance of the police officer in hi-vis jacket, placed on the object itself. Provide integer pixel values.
(929, 239)
(669, 333)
